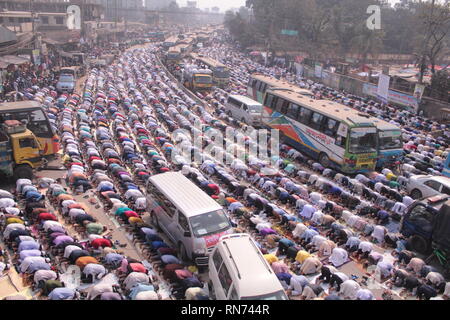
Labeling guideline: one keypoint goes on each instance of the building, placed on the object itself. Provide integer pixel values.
(191, 4)
(90, 9)
(215, 10)
(23, 21)
(157, 4)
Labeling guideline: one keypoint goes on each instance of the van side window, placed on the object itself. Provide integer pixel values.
(165, 204)
(225, 279)
(182, 220)
(217, 259)
(245, 108)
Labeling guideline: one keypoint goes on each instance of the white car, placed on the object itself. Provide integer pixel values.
(420, 186)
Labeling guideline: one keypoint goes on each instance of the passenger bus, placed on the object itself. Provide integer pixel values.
(173, 55)
(258, 85)
(390, 143)
(336, 135)
(221, 73)
(170, 42)
(37, 122)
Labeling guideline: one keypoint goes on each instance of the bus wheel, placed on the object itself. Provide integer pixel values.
(324, 160)
(419, 244)
(23, 172)
(416, 194)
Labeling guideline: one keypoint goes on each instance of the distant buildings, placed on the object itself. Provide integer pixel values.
(157, 4)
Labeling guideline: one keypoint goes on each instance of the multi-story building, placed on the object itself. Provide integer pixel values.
(157, 4)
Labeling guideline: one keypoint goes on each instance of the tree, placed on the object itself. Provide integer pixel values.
(435, 30)
(440, 85)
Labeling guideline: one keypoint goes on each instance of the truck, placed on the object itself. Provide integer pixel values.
(197, 79)
(20, 151)
(426, 224)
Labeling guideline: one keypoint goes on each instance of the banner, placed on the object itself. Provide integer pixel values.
(418, 91)
(318, 71)
(393, 96)
(383, 87)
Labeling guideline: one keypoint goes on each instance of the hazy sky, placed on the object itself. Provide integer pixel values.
(226, 4)
(222, 4)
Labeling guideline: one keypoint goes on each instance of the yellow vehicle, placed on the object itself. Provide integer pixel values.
(37, 121)
(20, 152)
(173, 55)
(197, 79)
(221, 74)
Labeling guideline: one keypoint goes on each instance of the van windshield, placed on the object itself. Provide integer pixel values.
(255, 109)
(209, 223)
(66, 78)
(278, 295)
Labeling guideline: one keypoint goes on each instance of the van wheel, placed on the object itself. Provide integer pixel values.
(416, 194)
(243, 120)
(23, 172)
(324, 160)
(155, 221)
(419, 244)
(212, 295)
(183, 253)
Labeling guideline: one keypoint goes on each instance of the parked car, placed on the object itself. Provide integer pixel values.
(239, 271)
(420, 186)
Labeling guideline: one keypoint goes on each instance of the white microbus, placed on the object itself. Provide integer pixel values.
(187, 215)
(244, 109)
(239, 271)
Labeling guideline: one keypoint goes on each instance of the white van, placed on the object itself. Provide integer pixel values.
(238, 271)
(244, 109)
(187, 215)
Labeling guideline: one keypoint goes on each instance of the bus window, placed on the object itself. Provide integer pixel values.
(269, 100)
(304, 115)
(263, 88)
(292, 111)
(259, 86)
(316, 121)
(279, 105)
(341, 141)
(329, 127)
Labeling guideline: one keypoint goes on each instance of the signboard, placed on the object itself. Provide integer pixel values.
(383, 87)
(289, 32)
(318, 71)
(418, 91)
(393, 96)
(36, 57)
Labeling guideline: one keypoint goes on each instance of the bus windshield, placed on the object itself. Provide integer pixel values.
(390, 140)
(363, 140)
(209, 223)
(203, 79)
(221, 73)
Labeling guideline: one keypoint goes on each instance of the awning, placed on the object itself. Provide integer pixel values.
(9, 59)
